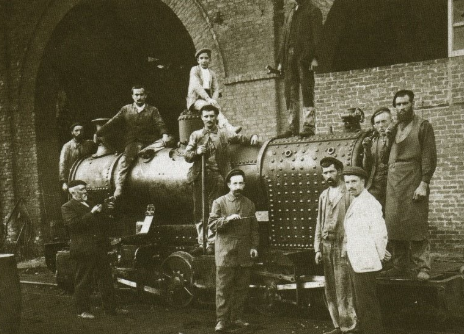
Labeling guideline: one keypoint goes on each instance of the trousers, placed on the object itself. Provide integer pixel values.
(297, 73)
(86, 269)
(232, 285)
(338, 290)
(416, 252)
(366, 302)
(127, 159)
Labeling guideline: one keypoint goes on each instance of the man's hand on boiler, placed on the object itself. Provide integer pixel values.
(254, 140)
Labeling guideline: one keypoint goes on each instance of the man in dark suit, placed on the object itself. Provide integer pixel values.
(233, 218)
(87, 228)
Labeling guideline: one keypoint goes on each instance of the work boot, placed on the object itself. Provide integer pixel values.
(220, 327)
(393, 272)
(196, 251)
(307, 132)
(285, 134)
(209, 250)
(423, 276)
(334, 331)
(86, 315)
(241, 323)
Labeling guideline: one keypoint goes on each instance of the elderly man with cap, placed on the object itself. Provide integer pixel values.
(212, 143)
(141, 125)
(376, 152)
(203, 88)
(328, 241)
(73, 150)
(233, 218)
(87, 226)
(365, 245)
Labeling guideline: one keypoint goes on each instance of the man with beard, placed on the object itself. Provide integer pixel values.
(88, 228)
(365, 246)
(376, 152)
(233, 218)
(72, 151)
(328, 241)
(213, 143)
(412, 162)
(297, 60)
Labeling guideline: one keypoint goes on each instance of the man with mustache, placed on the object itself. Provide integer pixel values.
(365, 245)
(213, 143)
(376, 152)
(72, 151)
(141, 125)
(233, 218)
(328, 241)
(412, 162)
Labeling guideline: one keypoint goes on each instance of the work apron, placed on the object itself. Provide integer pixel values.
(406, 219)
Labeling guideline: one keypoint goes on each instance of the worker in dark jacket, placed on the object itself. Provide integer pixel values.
(87, 226)
(142, 125)
(233, 219)
(297, 60)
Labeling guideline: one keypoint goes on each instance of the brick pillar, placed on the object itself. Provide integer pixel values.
(7, 193)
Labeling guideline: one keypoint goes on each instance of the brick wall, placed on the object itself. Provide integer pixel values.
(439, 90)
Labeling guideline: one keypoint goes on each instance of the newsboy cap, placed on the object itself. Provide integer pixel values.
(355, 170)
(378, 112)
(235, 172)
(203, 50)
(75, 183)
(74, 125)
(332, 161)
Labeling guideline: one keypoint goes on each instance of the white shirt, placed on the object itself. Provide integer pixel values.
(139, 109)
(206, 76)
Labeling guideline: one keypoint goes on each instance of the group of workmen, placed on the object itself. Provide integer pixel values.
(360, 207)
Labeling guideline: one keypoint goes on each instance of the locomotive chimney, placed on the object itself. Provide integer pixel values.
(188, 122)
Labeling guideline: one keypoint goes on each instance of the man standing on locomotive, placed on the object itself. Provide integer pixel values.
(73, 150)
(233, 218)
(213, 143)
(89, 248)
(376, 152)
(412, 162)
(365, 245)
(328, 241)
(142, 125)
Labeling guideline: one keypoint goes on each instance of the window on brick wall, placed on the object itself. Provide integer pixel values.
(455, 27)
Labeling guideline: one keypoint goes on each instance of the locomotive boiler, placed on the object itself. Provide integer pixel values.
(283, 180)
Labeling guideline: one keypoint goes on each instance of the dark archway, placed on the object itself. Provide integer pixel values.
(96, 53)
(370, 33)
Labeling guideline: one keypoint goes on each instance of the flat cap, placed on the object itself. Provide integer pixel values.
(75, 183)
(355, 170)
(234, 172)
(203, 50)
(332, 161)
(74, 125)
(378, 112)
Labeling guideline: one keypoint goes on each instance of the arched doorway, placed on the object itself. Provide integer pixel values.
(94, 56)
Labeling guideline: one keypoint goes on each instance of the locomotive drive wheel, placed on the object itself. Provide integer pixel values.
(178, 279)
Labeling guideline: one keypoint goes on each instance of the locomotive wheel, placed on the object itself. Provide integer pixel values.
(267, 299)
(178, 279)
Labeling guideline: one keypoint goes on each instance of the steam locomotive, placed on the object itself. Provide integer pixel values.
(284, 181)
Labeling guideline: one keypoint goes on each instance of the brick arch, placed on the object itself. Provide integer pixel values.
(191, 14)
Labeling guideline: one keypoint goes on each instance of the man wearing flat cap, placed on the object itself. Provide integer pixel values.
(203, 88)
(233, 218)
(73, 150)
(376, 152)
(328, 241)
(365, 245)
(88, 226)
(213, 143)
